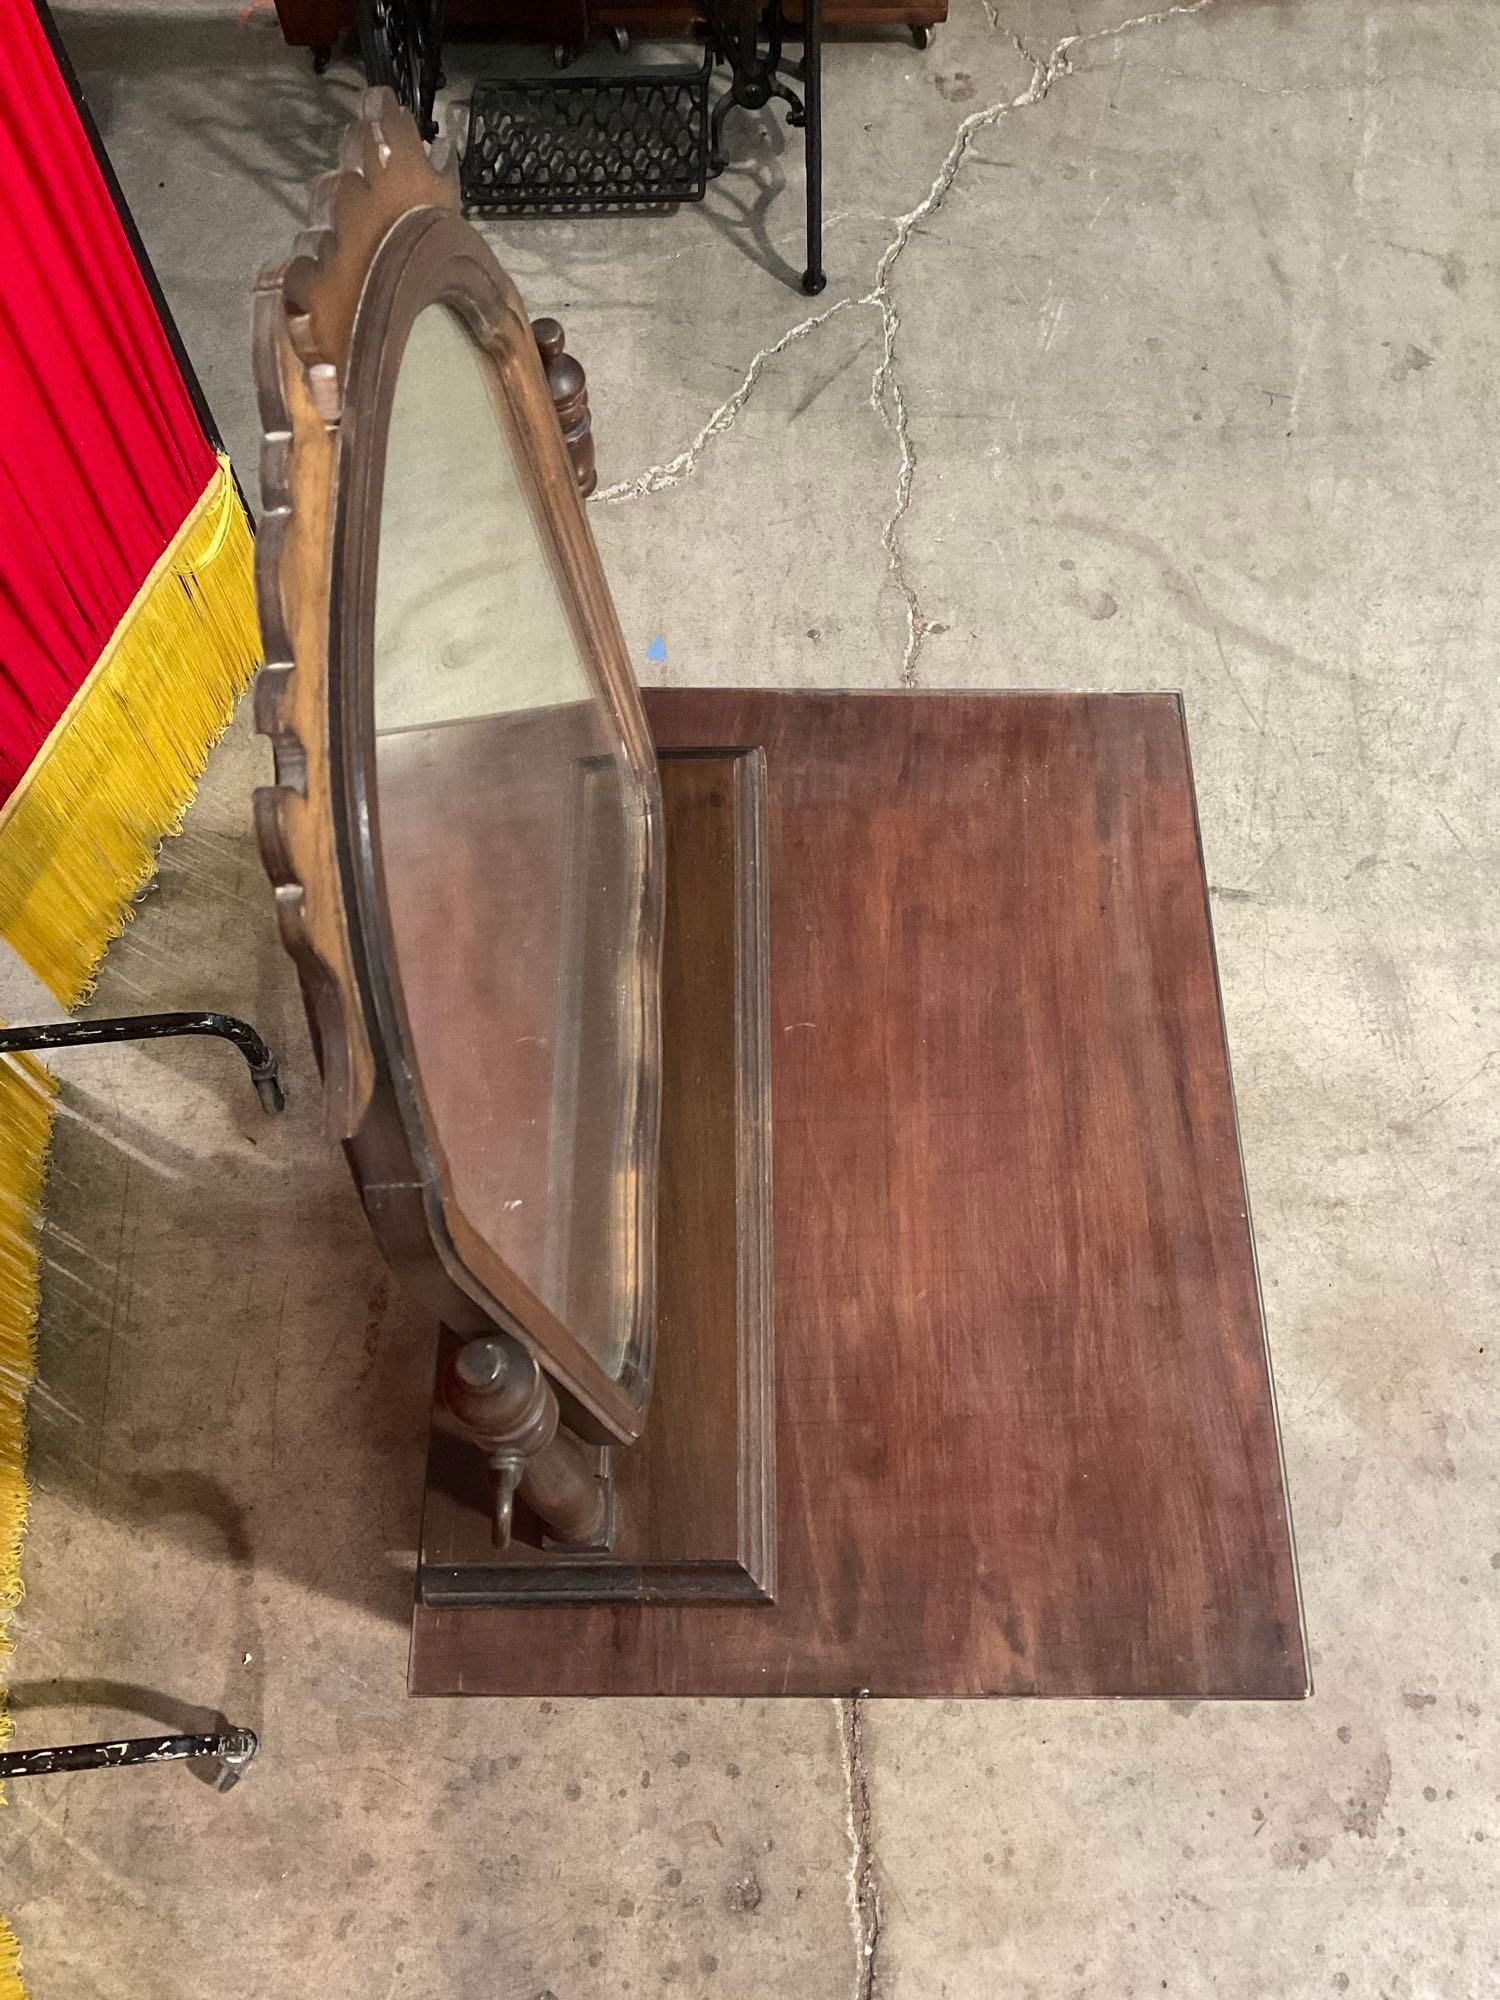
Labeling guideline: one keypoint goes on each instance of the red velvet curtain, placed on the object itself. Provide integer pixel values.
(102, 455)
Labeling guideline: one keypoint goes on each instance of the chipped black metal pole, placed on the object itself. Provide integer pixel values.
(233, 1748)
(264, 1072)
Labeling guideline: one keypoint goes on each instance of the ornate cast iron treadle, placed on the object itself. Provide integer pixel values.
(644, 137)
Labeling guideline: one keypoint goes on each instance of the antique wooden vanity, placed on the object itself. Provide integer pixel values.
(802, 1122)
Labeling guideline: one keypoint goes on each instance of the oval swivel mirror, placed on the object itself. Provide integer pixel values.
(510, 839)
(465, 833)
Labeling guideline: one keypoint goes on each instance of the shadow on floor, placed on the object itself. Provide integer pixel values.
(236, 92)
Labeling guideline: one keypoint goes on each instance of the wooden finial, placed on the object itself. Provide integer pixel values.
(570, 398)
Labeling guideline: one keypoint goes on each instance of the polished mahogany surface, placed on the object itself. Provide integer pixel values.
(1026, 1435)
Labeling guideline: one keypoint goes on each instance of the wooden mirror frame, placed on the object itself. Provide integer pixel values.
(386, 240)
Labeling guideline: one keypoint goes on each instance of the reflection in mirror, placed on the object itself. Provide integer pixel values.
(511, 842)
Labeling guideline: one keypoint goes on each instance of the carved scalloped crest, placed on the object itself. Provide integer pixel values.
(304, 317)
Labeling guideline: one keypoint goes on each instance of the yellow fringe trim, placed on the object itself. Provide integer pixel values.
(78, 836)
(26, 1102)
(10, 1965)
(27, 1089)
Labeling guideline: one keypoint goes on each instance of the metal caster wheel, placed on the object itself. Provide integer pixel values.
(621, 39)
(322, 56)
(921, 38)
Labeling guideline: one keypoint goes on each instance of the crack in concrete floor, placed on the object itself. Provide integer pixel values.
(887, 398)
(865, 1913)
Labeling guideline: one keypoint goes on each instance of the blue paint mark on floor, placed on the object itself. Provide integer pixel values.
(657, 650)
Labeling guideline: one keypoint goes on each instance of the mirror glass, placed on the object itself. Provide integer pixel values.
(511, 837)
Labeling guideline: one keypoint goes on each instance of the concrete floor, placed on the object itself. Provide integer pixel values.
(1191, 370)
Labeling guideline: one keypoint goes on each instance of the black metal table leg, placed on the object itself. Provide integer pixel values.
(401, 46)
(265, 1073)
(430, 77)
(814, 278)
(718, 159)
(735, 32)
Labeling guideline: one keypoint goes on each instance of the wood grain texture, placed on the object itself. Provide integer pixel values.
(1026, 1439)
(693, 1500)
